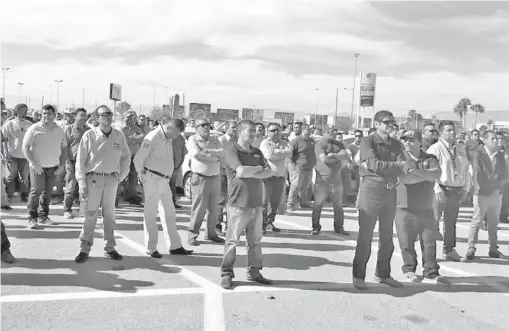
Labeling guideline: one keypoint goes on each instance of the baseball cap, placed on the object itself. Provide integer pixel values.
(411, 134)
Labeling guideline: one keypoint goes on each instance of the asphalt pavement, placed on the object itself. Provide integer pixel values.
(46, 290)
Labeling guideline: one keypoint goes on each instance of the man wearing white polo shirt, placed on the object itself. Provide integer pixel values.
(44, 147)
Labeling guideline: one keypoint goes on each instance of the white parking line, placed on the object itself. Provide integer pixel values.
(98, 295)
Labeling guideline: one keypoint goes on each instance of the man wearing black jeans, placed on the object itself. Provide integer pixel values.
(179, 153)
(6, 247)
(382, 162)
(44, 147)
(414, 213)
(330, 153)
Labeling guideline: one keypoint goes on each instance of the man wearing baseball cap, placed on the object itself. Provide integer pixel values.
(414, 209)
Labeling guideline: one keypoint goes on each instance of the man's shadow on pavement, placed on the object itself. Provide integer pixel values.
(95, 273)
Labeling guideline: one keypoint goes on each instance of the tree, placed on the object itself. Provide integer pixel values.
(156, 113)
(489, 123)
(123, 107)
(483, 128)
(461, 109)
(412, 114)
(477, 108)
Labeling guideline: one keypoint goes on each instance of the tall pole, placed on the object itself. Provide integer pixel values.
(51, 94)
(154, 101)
(4, 71)
(42, 102)
(29, 97)
(316, 108)
(83, 99)
(20, 91)
(336, 110)
(353, 88)
(169, 99)
(58, 93)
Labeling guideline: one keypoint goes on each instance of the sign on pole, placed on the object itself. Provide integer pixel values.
(197, 110)
(286, 117)
(367, 92)
(115, 92)
(228, 114)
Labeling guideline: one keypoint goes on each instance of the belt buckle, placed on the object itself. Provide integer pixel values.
(390, 186)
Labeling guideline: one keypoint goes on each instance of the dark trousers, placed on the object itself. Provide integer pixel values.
(130, 183)
(376, 202)
(173, 184)
(40, 192)
(324, 190)
(273, 191)
(222, 199)
(17, 167)
(6, 244)
(71, 186)
(504, 211)
(409, 225)
(450, 211)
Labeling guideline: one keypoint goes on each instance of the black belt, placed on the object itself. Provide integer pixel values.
(104, 174)
(196, 173)
(157, 173)
(450, 188)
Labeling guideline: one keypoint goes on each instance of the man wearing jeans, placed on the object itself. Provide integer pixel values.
(206, 153)
(13, 132)
(276, 151)
(227, 140)
(73, 134)
(300, 168)
(452, 187)
(102, 162)
(44, 147)
(246, 168)
(490, 173)
(330, 154)
(414, 212)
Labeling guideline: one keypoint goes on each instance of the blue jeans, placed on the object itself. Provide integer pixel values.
(17, 166)
(40, 192)
(323, 190)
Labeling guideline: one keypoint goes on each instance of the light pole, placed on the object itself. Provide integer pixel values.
(20, 91)
(336, 110)
(169, 99)
(83, 99)
(4, 70)
(316, 107)
(51, 94)
(58, 92)
(353, 88)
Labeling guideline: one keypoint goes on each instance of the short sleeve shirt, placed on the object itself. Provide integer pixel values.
(328, 171)
(14, 131)
(45, 144)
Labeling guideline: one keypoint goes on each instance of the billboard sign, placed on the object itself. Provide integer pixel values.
(318, 120)
(115, 92)
(228, 114)
(247, 114)
(367, 92)
(197, 110)
(178, 112)
(255, 115)
(285, 117)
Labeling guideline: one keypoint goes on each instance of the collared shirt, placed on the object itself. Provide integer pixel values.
(455, 171)
(491, 156)
(354, 148)
(73, 136)
(45, 144)
(328, 171)
(134, 137)
(303, 152)
(101, 154)
(257, 141)
(179, 151)
(14, 131)
(156, 153)
(207, 164)
(226, 142)
(276, 154)
(145, 128)
(380, 158)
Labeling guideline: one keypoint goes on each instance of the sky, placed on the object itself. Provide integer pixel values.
(286, 55)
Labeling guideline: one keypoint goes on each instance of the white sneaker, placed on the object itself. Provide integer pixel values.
(411, 276)
(68, 215)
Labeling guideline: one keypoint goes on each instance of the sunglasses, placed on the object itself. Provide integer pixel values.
(389, 122)
(106, 114)
(205, 125)
(274, 130)
(358, 136)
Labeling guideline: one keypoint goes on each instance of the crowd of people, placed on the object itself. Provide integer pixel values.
(240, 171)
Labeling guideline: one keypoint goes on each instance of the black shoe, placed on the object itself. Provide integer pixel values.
(177, 206)
(6, 207)
(24, 198)
(114, 255)
(226, 282)
(261, 280)
(136, 202)
(496, 255)
(180, 251)
(82, 257)
(116, 203)
(341, 232)
(193, 242)
(217, 240)
(470, 255)
(271, 227)
(156, 255)
(316, 231)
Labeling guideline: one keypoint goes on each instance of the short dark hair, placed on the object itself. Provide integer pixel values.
(298, 122)
(245, 123)
(358, 131)
(180, 124)
(442, 125)
(49, 107)
(273, 123)
(475, 130)
(381, 114)
(487, 133)
(102, 106)
(20, 106)
(80, 110)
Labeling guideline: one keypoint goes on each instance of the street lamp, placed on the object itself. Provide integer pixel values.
(20, 91)
(169, 100)
(51, 94)
(316, 107)
(58, 92)
(4, 70)
(354, 80)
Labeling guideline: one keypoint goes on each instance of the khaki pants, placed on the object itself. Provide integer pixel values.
(485, 206)
(102, 191)
(158, 196)
(205, 194)
(249, 219)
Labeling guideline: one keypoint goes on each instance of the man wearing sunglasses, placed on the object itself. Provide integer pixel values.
(102, 162)
(206, 154)
(354, 149)
(429, 136)
(227, 140)
(276, 151)
(382, 161)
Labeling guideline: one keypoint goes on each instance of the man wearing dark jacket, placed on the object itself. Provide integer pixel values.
(490, 173)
